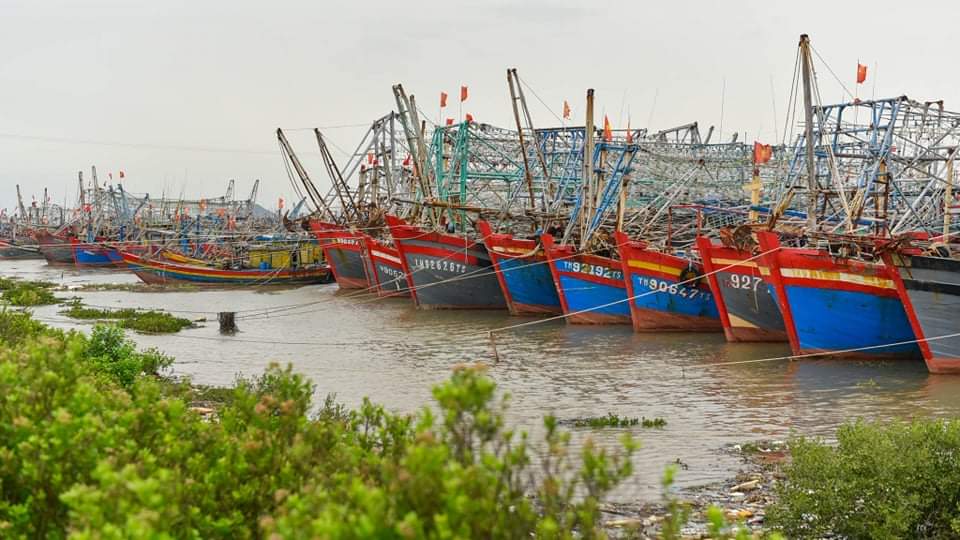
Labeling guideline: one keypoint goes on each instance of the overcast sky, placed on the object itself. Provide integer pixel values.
(169, 79)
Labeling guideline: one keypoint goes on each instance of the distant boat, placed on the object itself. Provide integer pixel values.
(55, 249)
(91, 254)
(11, 250)
(164, 271)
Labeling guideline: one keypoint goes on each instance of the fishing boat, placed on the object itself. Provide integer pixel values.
(91, 254)
(446, 271)
(343, 251)
(667, 292)
(10, 250)
(929, 288)
(55, 249)
(591, 287)
(385, 268)
(163, 271)
(523, 272)
(746, 305)
(837, 305)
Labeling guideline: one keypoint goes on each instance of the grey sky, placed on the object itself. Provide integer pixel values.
(226, 74)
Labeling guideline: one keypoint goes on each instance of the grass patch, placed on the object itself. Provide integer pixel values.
(612, 420)
(27, 293)
(150, 321)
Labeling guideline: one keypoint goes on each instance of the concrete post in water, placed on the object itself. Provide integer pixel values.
(228, 323)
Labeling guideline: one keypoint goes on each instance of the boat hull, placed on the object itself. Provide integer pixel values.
(591, 288)
(840, 307)
(662, 298)
(930, 290)
(445, 271)
(55, 250)
(86, 254)
(385, 268)
(162, 272)
(523, 272)
(343, 251)
(11, 251)
(745, 302)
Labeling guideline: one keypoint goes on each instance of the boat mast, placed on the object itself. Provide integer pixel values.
(587, 175)
(812, 184)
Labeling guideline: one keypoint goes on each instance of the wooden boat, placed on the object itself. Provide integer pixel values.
(845, 307)
(91, 254)
(162, 271)
(55, 249)
(445, 271)
(746, 304)
(343, 251)
(929, 288)
(666, 291)
(523, 272)
(591, 288)
(10, 250)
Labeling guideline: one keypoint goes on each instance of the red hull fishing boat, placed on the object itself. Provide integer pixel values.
(446, 271)
(666, 292)
(591, 288)
(844, 307)
(343, 251)
(165, 271)
(523, 272)
(747, 307)
(385, 268)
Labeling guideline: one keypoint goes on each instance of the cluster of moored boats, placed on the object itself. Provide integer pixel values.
(840, 240)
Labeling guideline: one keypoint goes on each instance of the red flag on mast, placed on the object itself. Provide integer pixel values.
(566, 110)
(629, 133)
(762, 153)
(469, 117)
(861, 73)
(443, 99)
(607, 129)
(463, 94)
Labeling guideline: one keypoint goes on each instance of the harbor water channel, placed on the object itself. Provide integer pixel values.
(356, 346)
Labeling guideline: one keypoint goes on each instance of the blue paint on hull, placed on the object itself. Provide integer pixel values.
(91, 256)
(834, 320)
(529, 283)
(672, 298)
(581, 295)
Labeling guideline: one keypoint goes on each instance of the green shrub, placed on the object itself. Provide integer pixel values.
(881, 480)
(27, 293)
(109, 352)
(18, 326)
(93, 447)
(155, 322)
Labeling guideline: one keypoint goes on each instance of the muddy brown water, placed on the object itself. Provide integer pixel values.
(385, 349)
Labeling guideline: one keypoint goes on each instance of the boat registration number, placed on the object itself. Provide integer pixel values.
(590, 269)
(739, 281)
(664, 286)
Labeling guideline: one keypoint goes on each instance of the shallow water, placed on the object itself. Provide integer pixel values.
(356, 346)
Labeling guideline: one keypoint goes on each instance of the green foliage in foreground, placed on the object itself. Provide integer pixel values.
(881, 480)
(155, 322)
(27, 293)
(91, 446)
